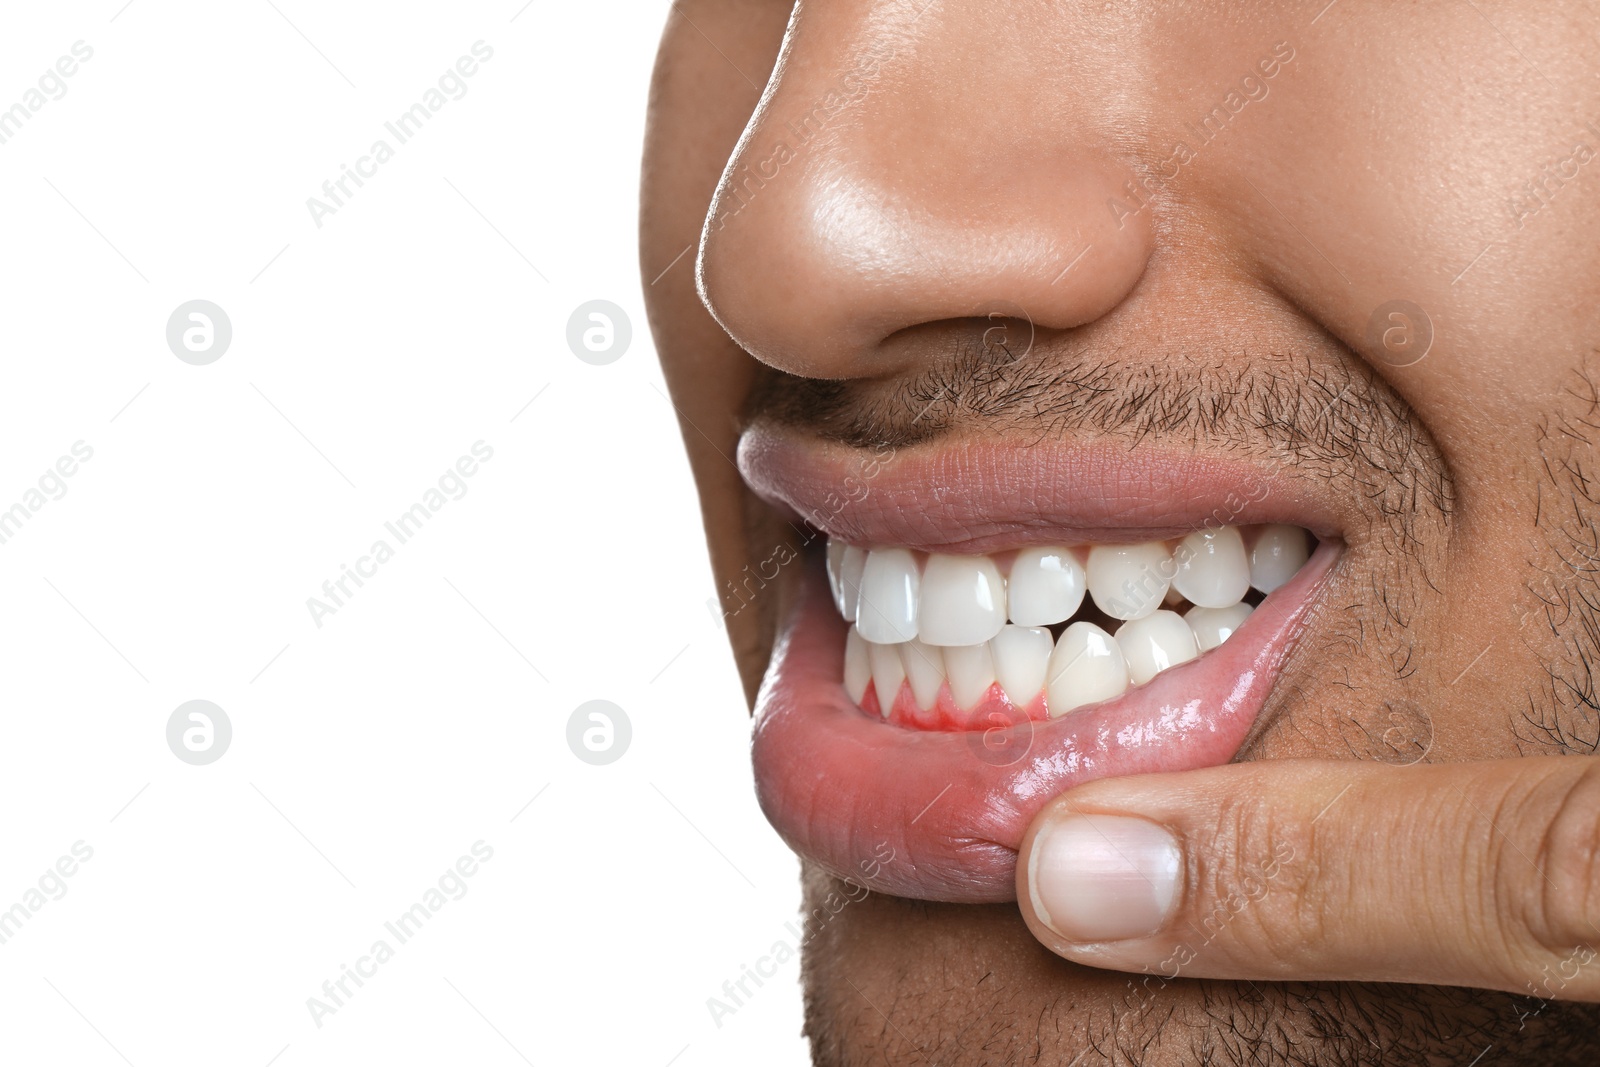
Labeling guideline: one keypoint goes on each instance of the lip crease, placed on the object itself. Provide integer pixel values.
(842, 788)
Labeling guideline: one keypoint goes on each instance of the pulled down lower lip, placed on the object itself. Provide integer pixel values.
(846, 791)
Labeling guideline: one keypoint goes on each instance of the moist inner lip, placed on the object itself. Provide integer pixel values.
(943, 642)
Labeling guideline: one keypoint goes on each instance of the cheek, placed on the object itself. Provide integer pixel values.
(700, 102)
(1462, 212)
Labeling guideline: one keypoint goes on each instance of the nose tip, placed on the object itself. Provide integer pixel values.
(813, 255)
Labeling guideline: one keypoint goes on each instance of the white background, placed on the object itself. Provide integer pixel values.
(425, 713)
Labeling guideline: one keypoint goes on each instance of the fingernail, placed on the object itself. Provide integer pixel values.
(1104, 877)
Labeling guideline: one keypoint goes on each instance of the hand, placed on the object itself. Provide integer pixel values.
(1466, 874)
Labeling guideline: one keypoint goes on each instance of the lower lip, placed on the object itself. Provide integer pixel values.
(940, 816)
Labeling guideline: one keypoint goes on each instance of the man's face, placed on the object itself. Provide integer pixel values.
(1006, 276)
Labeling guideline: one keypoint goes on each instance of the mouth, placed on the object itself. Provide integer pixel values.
(979, 629)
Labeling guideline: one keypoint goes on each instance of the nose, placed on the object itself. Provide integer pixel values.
(897, 174)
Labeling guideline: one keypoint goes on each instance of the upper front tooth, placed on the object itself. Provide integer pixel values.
(1212, 626)
(1154, 643)
(847, 590)
(1046, 586)
(925, 671)
(844, 576)
(890, 591)
(963, 600)
(887, 673)
(971, 672)
(857, 668)
(1129, 581)
(836, 572)
(1279, 552)
(1212, 569)
(1086, 667)
(1021, 658)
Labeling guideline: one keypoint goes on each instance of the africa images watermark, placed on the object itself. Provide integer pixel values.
(736, 992)
(405, 126)
(403, 528)
(1154, 579)
(1252, 88)
(52, 885)
(1252, 887)
(52, 85)
(739, 593)
(1552, 980)
(741, 184)
(336, 992)
(52, 485)
(1555, 174)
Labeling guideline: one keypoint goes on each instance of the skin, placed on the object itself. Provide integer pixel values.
(966, 159)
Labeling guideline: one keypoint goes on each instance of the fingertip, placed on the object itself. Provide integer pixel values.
(1093, 878)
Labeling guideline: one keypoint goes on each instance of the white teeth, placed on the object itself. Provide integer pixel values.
(1129, 581)
(850, 581)
(1212, 571)
(971, 671)
(1021, 657)
(887, 674)
(890, 592)
(927, 621)
(857, 668)
(1086, 667)
(1154, 643)
(1279, 552)
(1212, 626)
(963, 600)
(1046, 586)
(924, 667)
(835, 571)
(844, 576)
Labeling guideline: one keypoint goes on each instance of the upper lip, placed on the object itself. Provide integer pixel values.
(839, 786)
(972, 496)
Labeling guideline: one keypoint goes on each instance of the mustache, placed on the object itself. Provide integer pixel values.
(1331, 417)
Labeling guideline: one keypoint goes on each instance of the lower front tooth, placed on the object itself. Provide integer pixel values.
(1154, 643)
(971, 671)
(1212, 626)
(857, 669)
(887, 674)
(1021, 661)
(1086, 667)
(924, 665)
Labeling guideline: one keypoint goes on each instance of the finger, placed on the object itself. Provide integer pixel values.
(1470, 874)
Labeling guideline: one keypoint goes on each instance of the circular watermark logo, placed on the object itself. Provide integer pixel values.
(199, 732)
(1006, 737)
(599, 332)
(598, 732)
(1399, 333)
(1406, 735)
(199, 332)
(1009, 337)
(1396, 732)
